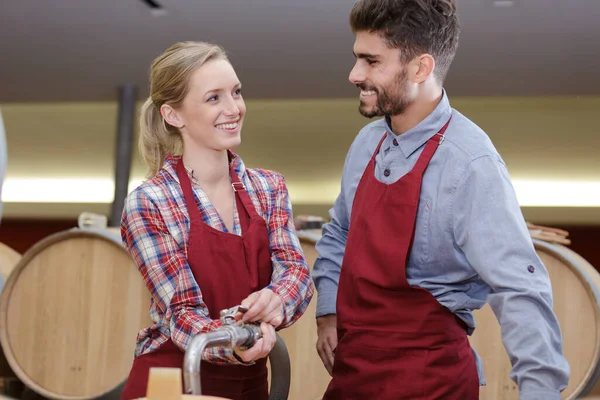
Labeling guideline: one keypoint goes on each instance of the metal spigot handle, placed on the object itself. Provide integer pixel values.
(229, 336)
(232, 336)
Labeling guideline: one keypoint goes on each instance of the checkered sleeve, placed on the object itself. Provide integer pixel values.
(291, 278)
(168, 277)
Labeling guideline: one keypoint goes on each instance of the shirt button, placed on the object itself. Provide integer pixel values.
(386, 172)
(395, 142)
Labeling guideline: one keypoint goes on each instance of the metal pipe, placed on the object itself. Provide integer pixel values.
(228, 336)
(231, 335)
(193, 357)
(126, 118)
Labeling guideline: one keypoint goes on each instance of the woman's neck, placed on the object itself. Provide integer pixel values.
(209, 167)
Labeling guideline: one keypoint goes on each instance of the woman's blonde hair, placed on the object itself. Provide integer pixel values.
(169, 77)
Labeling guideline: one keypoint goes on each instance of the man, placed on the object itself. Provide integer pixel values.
(426, 228)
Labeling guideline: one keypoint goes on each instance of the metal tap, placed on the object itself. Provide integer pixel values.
(231, 335)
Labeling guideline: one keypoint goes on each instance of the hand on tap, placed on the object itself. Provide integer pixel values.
(264, 306)
(262, 347)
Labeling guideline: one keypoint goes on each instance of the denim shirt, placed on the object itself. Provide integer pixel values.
(471, 243)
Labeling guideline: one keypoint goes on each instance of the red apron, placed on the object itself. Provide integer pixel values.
(395, 341)
(227, 268)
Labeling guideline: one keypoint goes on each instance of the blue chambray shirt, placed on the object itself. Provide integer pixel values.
(471, 242)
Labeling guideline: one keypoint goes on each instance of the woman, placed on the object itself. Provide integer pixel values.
(206, 233)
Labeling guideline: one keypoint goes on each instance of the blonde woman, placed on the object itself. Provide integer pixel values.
(206, 232)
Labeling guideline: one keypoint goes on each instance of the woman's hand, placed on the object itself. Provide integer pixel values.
(262, 347)
(264, 306)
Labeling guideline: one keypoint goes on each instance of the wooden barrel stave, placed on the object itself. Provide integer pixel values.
(9, 258)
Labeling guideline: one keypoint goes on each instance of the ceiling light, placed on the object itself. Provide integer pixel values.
(503, 3)
(530, 193)
(540, 193)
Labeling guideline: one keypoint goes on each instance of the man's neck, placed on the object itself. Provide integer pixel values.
(416, 112)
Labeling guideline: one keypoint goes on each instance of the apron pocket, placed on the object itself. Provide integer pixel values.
(451, 372)
(371, 372)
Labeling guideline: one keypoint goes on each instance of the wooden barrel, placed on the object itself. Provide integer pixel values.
(70, 313)
(8, 259)
(309, 378)
(576, 292)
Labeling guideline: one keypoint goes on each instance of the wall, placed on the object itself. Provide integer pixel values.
(307, 140)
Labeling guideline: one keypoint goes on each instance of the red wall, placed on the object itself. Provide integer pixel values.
(21, 234)
(585, 241)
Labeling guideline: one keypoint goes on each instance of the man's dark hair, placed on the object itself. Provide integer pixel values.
(413, 26)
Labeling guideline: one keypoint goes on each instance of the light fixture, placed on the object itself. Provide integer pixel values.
(60, 190)
(155, 8)
(530, 193)
(503, 3)
(549, 193)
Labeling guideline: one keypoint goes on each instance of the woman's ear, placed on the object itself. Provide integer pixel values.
(171, 116)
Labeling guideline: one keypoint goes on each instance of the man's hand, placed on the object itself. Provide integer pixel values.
(327, 340)
(262, 347)
(264, 306)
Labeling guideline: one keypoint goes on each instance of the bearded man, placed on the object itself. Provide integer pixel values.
(426, 229)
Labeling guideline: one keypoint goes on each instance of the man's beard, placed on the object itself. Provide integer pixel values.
(391, 101)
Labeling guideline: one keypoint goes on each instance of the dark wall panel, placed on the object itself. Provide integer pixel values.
(21, 234)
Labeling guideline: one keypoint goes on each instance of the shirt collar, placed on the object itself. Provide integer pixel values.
(417, 136)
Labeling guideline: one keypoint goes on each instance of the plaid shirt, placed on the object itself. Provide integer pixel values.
(155, 231)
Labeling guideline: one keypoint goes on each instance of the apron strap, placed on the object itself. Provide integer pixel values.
(430, 148)
(246, 209)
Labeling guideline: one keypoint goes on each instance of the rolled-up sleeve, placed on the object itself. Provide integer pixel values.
(489, 228)
(291, 278)
(331, 246)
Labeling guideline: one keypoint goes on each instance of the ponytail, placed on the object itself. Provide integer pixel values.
(157, 139)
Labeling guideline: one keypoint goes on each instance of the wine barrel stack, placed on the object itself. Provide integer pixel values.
(72, 305)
